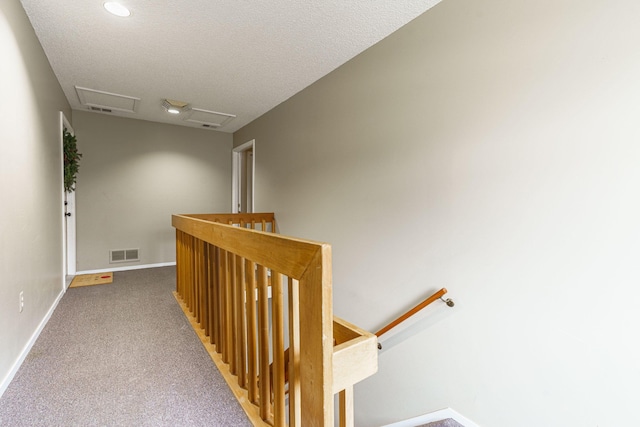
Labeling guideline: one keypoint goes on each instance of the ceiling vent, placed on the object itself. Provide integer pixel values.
(209, 119)
(101, 110)
(106, 102)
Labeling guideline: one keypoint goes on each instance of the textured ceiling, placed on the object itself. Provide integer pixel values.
(240, 57)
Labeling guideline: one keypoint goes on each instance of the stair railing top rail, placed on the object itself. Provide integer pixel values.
(246, 220)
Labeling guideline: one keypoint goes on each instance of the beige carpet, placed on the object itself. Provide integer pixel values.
(122, 355)
(91, 279)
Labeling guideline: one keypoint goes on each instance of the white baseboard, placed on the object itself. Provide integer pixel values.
(441, 414)
(27, 348)
(126, 268)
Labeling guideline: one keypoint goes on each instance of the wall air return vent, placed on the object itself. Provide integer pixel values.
(106, 102)
(124, 255)
(211, 119)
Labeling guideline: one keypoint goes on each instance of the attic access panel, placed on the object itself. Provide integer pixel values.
(97, 99)
(208, 118)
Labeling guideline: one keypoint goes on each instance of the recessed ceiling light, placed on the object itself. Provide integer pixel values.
(174, 107)
(117, 9)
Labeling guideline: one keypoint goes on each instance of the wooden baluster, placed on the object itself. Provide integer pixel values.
(183, 266)
(212, 275)
(233, 313)
(190, 276)
(185, 270)
(252, 356)
(178, 262)
(241, 323)
(264, 225)
(197, 307)
(205, 289)
(263, 343)
(295, 415)
(203, 285)
(224, 296)
(277, 316)
(200, 281)
(253, 224)
(183, 262)
(227, 322)
(345, 402)
(218, 303)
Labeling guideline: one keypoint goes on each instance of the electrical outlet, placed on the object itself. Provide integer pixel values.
(21, 301)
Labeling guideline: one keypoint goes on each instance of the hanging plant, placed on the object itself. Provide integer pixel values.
(71, 160)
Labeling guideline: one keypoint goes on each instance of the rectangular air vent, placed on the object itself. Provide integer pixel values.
(124, 255)
(212, 119)
(105, 100)
(102, 110)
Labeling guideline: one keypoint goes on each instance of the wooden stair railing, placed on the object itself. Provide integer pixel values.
(225, 270)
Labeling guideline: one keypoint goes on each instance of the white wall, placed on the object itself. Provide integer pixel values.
(491, 148)
(134, 175)
(30, 185)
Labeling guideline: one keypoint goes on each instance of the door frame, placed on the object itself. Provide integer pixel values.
(68, 222)
(236, 174)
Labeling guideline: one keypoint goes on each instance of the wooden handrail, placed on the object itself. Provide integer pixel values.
(225, 269)
(411, 312)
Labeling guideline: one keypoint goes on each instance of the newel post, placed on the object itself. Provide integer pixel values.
(316, 340)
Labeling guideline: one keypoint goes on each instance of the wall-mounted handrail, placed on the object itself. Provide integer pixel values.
(416, 309)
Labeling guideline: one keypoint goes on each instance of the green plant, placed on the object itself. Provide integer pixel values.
(71, 160)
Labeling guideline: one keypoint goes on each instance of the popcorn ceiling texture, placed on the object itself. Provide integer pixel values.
(241, 58)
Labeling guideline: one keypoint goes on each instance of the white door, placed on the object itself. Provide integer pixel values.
(242, 199)
(69, 221)
(70, 230)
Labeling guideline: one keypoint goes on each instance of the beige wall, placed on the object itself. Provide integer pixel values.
(134, 175)
(30, 185)
(491, 148)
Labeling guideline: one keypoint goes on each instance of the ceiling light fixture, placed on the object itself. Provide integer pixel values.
(174, 107)
(117, 9)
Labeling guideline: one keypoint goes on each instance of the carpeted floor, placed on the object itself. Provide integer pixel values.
(449, 422)
(120, 355)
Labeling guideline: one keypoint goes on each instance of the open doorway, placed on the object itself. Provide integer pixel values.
(244, 158)
(69, 216)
